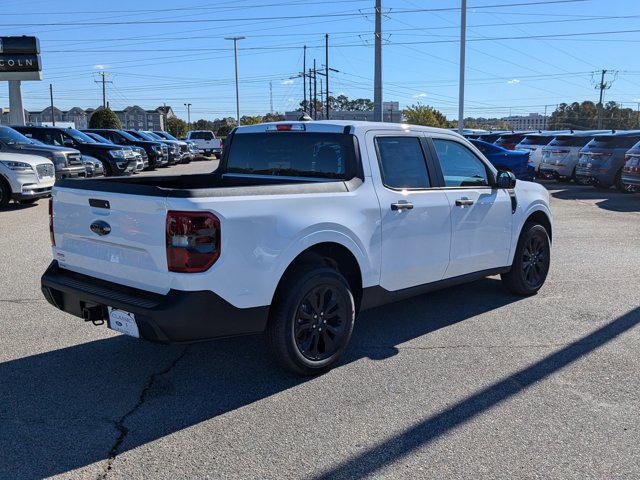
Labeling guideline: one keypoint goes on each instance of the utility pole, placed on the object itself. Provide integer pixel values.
(304, 79)
(602, 86)
(235, 52)
(315, 91)
(310, 96)
(271, 96)
(463, 39)
(53, 115)
(321, 99)
(377, 80)
(104, 82)
(188, 105)
(326, 72)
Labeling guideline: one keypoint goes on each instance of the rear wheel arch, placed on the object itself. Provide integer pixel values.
(330, 254)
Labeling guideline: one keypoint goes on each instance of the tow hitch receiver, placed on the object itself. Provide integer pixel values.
(93, 314)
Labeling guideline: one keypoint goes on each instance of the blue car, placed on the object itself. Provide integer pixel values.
(516, 161)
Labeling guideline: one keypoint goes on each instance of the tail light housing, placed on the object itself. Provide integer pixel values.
(193, 241)
(51, 234)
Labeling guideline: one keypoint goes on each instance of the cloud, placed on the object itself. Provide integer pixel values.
(420, 95)
(513, 81)
(100, 67)
(287, 82)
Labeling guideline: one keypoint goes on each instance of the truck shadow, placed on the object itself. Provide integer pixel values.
(609, 199)
(69, 408)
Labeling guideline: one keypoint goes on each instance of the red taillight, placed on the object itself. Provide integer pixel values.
(283, 128)
(221, 143)
(193, 241)
(51, 234)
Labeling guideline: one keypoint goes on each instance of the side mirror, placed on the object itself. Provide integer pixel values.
(505, 179)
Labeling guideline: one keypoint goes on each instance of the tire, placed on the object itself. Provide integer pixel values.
(5, 193)
(299, 313)
(621, 187)
(525, 278)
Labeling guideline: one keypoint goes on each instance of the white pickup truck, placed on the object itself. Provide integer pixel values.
(206, 141)
(302, 226)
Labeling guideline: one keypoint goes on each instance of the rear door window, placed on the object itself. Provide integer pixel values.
(402, 162)
(460, 167)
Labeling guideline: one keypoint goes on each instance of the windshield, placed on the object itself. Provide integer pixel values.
(613, 141)
(142, 135)
(99, 138)
(165, 135)
(153, 136)
(317, 155)
(79, 136)
(9, 135)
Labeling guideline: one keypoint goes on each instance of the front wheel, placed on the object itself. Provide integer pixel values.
(312, 320)
(5, 193)
(531, 261)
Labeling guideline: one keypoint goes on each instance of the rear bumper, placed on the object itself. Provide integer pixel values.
(177, 317)
(631, 179)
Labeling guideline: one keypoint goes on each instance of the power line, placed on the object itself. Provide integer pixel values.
(285, 17)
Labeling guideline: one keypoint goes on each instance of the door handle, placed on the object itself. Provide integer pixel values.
(464, 201)
(402, 206)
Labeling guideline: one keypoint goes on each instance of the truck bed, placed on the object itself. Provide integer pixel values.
(209, 185)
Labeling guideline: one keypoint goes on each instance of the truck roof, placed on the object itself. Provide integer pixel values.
(338, 126)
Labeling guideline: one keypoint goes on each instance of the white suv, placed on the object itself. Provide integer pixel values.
(24, 178)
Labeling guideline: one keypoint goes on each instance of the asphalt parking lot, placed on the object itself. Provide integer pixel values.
(465, 382)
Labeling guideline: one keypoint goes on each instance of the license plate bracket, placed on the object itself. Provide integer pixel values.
(123, 322)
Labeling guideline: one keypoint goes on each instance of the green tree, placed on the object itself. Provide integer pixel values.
(203, 124)
(250, 119)
(177, 127)
(224, 130)
(104, 118)
(425, 115)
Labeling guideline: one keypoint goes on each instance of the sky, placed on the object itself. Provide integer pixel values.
(521, 57)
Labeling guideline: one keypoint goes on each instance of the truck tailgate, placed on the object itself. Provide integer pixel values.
(127, 244)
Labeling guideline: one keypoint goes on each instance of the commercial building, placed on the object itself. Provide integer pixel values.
(533, 121)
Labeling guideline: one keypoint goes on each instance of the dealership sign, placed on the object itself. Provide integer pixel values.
(20, 58)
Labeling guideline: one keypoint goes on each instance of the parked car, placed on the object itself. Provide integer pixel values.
(515, 161)
(139, 155)
(560, 156)
(157, 153)
(631, 169)
(206, 141)
(24, 178)
(510, 140)
(93, 167)
(172, 148)
(534, 143)
(185, 152)
(489, 137)
(66, 161)
(602, 159)
(115, 159)
(297, 231)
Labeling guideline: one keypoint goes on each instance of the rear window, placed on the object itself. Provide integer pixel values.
(293, 154)
(201, 136)
(509, 139)
(614, 141)
(536, 140)
(570, 141)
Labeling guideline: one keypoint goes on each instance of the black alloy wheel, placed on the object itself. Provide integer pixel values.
(535, 261)
(321, 322)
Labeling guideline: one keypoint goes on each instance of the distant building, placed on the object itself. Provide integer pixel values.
(533, 121)
(134, 118)
(390, 112)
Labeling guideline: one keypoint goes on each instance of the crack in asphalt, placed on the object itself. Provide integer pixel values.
(120, 423)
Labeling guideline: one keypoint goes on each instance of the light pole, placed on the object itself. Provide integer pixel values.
(235, 54)
(463, 38)
(188, 105)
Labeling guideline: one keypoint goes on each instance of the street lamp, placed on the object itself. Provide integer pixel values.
(188, 105)
(235, 53)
